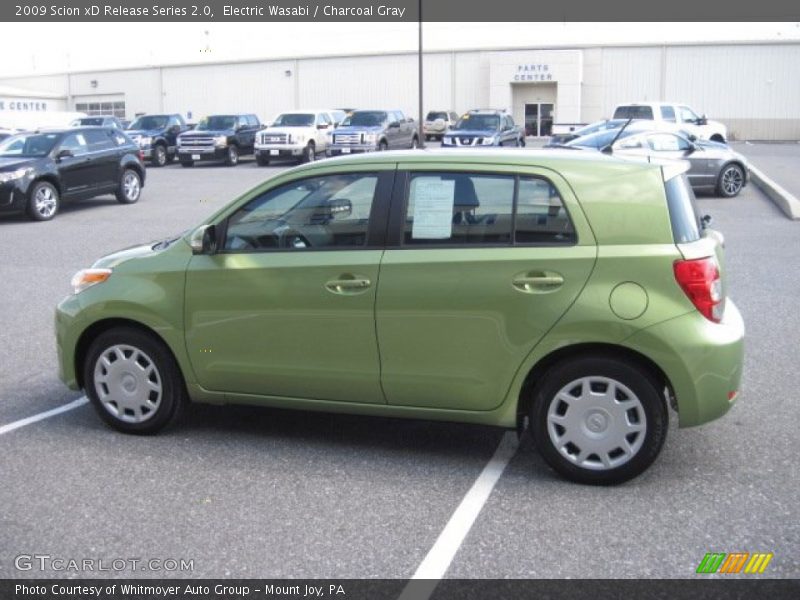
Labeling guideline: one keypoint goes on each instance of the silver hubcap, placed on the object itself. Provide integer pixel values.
(233, 156)
(311, 154)
(45, 201)
(128, 383)
(732, 181)
(130, 185)
(596, 423)
(161, 155)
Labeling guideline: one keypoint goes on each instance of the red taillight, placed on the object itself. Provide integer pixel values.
(700, 280)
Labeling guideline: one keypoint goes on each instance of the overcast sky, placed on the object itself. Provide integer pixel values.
(55, 47)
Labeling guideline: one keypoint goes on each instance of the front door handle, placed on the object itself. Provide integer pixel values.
(538, 282)
(348, 284)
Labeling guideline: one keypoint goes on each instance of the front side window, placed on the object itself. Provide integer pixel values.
(459, 208)
(688, 115)
(331, 211)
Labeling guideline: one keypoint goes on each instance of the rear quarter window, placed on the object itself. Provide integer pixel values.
(682, 210)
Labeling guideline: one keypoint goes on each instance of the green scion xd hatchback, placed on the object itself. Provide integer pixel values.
(579, 294)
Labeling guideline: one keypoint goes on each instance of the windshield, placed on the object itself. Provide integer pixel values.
(432, 116)
(368, 118)
(216, 122)
(601, 139)
(149, 122)
(481, 122)
(294, 120)
(29, 144)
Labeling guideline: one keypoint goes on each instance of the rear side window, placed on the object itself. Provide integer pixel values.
(682, 210)
(633, 112)
(473, 209)
(541, 215)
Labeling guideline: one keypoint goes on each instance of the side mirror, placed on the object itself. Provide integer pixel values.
(340, 207)
(702, 120)
(705, 221)
(203, 240)
(322, 126)
(64, 153)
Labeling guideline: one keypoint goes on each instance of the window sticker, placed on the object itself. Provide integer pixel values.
(433, 208)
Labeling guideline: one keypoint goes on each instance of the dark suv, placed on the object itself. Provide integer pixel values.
(368, 130)
(484, 128)
(157, 136)
(219, 137)
(39, 170)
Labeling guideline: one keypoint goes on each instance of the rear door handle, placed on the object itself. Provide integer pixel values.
(348, 284)
(538, 282)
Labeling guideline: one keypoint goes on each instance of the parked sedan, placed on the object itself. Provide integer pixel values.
(604, 125)
(714, 166)
(40, 170)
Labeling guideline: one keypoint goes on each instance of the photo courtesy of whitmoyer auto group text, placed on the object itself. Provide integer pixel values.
(399, 300)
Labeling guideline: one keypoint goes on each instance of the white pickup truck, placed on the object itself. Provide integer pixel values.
(678, 114)
(300, 135)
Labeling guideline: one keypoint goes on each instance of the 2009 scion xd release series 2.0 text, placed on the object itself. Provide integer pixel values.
(579, 293)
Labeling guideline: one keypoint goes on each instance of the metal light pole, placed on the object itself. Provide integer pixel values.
(419, 54)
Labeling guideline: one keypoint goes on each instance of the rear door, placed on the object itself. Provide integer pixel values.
(104, 156)
(471, 280)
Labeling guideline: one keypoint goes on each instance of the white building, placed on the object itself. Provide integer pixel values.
(754, 88)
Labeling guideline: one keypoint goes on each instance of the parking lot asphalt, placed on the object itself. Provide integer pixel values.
(248, 492)
(778, 160)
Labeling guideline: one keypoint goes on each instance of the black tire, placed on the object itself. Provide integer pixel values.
(730, 180)
(44, 201)
(159, 156)
(631, 381)
(130, 187)
(522, 142)
(383, 146)
(717, 138)
(261, 160)
(147, 351)
(187, 163)
(232, 157)
(309, 154)
(414, 143)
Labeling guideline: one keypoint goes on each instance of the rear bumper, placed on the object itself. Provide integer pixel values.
(702, 360)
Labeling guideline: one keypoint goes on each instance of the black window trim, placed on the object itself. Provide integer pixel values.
(400, 194)
(376, 227)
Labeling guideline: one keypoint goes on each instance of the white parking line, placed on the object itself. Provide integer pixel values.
(41, 416)
(435, 564)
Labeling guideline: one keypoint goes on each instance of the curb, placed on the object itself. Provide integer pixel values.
(785, 200)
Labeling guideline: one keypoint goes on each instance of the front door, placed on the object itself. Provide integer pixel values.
(464, 295)
(539, 119)
(286, 307)
(78, 173)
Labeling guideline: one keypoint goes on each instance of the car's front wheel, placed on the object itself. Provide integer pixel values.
(130, 187)
(159, 158)
(232, 157)
(731, 181)
(309, 154)
(133, 381)
(43, 201)
(599, 420)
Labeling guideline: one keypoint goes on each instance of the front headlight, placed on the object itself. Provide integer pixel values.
(86, 278)
(14, 175)
(145, 141)
(447, 141)
(488, 141)
(371, 138)
(220, 141)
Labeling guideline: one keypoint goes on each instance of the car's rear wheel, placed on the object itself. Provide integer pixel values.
(133, 381)
(43, 201)
(159, 158)
(232, 157)
(130, 187)
(730, 181)
(598, 420)
(414, 143)
(383, 146)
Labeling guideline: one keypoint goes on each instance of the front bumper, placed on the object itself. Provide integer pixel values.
(12, 197)
(197, 154)
(67, 330)
(702, 360)
(279, 151)
(335, 149)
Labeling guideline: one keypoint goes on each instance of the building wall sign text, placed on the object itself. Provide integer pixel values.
(533, 72)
